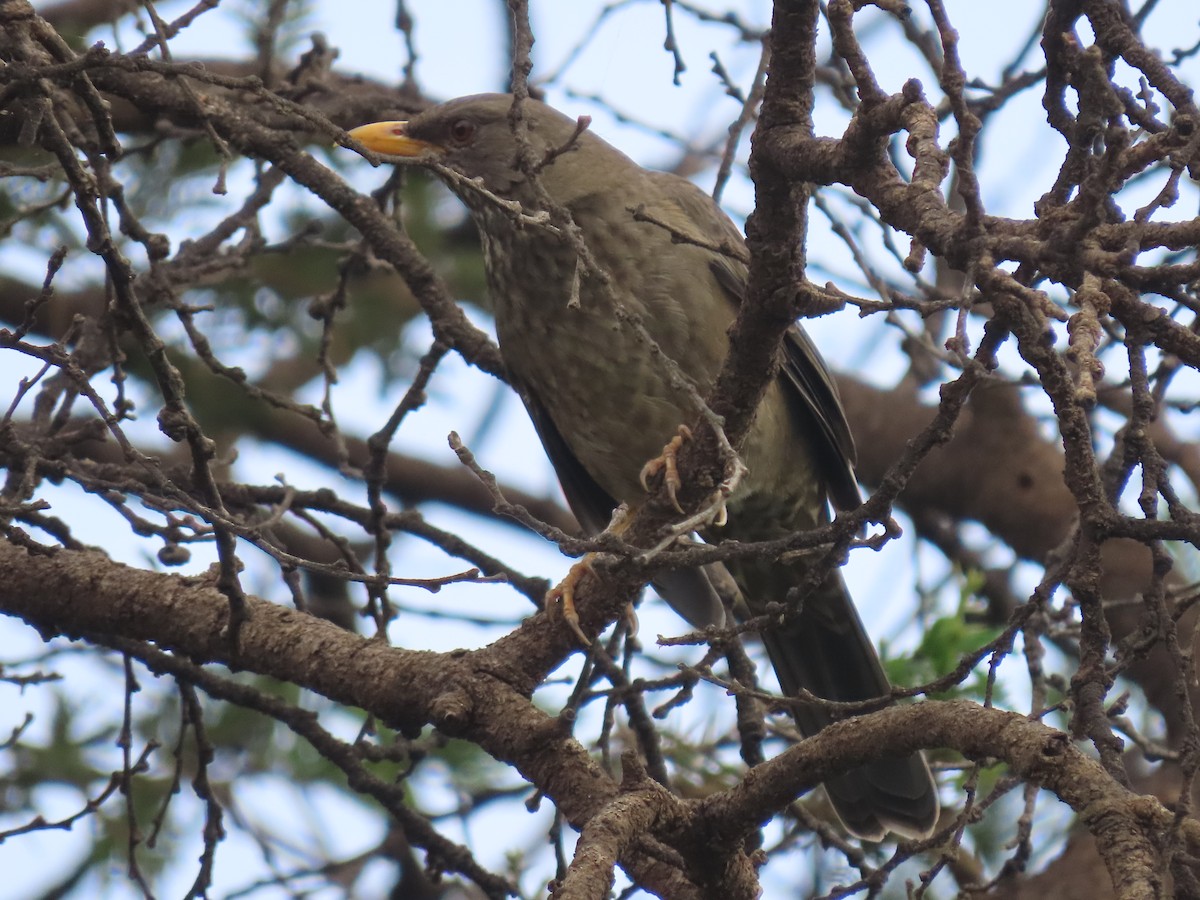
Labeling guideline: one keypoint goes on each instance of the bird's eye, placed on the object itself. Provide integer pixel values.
(462, 131)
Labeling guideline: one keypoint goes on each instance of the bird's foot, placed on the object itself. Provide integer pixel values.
(667, 463)
(562, 596)
(717, 510)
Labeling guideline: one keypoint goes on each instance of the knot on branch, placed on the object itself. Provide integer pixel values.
(1055, 746)
(451, 711)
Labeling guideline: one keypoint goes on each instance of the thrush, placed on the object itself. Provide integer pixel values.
(604, 401)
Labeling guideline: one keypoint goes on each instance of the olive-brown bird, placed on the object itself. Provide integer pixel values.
(603, 403)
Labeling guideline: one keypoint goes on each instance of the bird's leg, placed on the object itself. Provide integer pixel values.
(667, 462)
(562, 595)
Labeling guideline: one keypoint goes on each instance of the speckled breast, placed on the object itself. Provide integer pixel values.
(605, 385)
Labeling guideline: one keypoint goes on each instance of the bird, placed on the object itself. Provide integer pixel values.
(604, 401)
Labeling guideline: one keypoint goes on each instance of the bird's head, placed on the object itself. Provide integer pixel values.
(473, 136)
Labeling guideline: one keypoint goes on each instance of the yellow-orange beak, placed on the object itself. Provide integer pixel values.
(389, 138)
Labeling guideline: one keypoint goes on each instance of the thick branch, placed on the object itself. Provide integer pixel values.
(472, 696)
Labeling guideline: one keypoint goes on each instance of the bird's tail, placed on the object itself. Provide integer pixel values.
(825, 650)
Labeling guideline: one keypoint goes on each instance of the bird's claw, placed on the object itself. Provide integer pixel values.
(667, 463)
(720, 515)
(631, 621)
(562, 597)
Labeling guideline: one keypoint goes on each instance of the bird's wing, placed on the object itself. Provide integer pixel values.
(590, 503)
(803, 369)
(690, 592)
(806, 372)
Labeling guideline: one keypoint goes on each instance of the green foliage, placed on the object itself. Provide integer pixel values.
(944, 642)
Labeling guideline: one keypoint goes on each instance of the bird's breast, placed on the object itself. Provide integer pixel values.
(597, 354)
